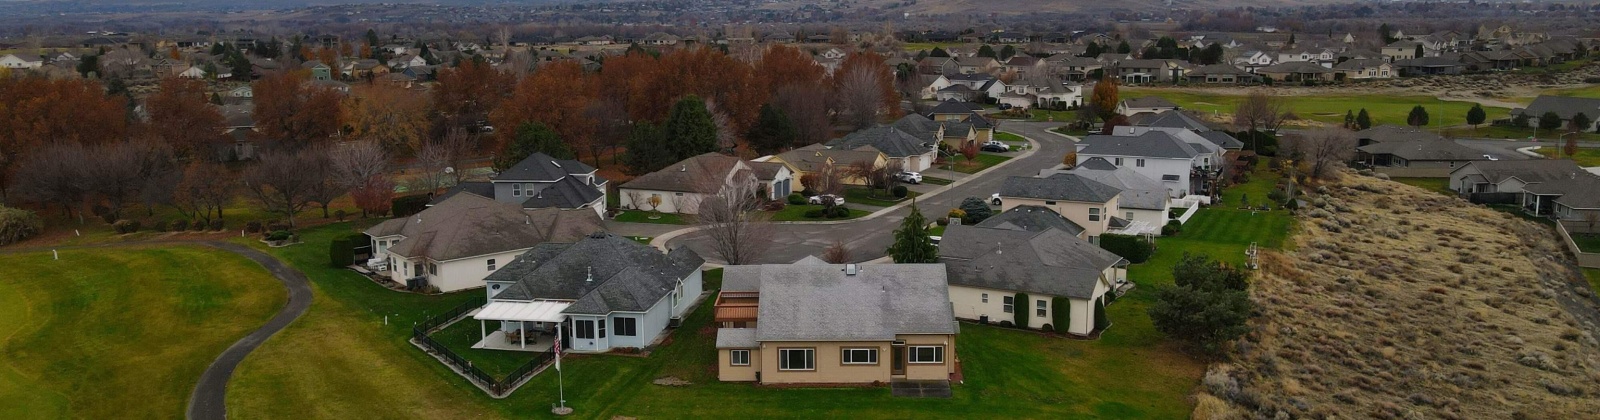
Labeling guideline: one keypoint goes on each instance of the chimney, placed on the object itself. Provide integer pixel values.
(851, 269)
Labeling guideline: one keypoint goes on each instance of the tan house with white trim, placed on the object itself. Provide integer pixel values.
(1088, 203)
(817, 323)
(1007, 272)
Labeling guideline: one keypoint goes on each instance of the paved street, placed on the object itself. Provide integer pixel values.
(867, 239)
(1507, 149)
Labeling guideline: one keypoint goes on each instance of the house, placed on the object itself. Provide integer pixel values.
(1136, 71)
(319, 71)
(1185, 121)
(1143, 204)
(1430, 158)
(1034, 219)
(1491, 60)
(1084, 201)
(904, 151)
(660, 39)
(1252, 60)
(1058, 95)
(819, 323)
(598, 293)
(541, 181)
(775, 180)
(1151, 104)
(814, 158)
(1428, 66)
(1392, 133)
(937, 65)
(454, 244)
(1297, 71)
(1363, 68)
(1401, 50)
(1221, 74)
(977, 65)
(980, 83)
(1564, 106)
(406, 61)
(1001, 274)
(1576, 198)
(1077, 68)
(681, 187)
(193, 72)
(1185, 162)
(1503, 180)
(21, 61)
(962, 125)
(1023, 65)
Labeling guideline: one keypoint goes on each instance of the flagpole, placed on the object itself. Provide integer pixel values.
(561, 384)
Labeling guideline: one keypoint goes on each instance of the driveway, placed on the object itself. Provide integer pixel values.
(868, 239)
(209, 399)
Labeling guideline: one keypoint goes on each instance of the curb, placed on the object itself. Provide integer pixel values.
(1530, 151)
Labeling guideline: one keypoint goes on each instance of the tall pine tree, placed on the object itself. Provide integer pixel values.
(1418, 117)
(647, 151)
(1363, 120)
(533, 137)
(773, 131)
(911, 243)
(690, 130)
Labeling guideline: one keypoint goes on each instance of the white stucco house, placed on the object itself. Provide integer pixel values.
(21, 61)
(1179, 158)
(681, 187)
(454, 244)
(1143, 205)
(1003, 273)
(600, 293)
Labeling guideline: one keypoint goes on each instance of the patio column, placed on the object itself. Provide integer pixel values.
(483, 330)
(522, 333)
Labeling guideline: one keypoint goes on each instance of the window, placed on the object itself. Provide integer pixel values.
(528, 188)
(490, 264)
(739, 357)
(516, 190)
(602, 325)
(1117, 161)
(583, 329)
(985, 298)
(433, 269)
(1130, 216)
(1138, 162)
(1094, 214)
(625, 327)
(926, 354)
(797, 359)
(859, 357)
(1039, 308)
(1007, 302)
(678, 194)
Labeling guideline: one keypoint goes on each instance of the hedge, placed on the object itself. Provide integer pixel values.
(18, 224)
(342, 251)
(1100, 320)
(1021, 307)
(408, 205)
(1134, 248)
(1061, 314)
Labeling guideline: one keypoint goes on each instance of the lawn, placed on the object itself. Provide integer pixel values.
(460, 337)
(935, 181)
(1329, 108)
(983, 161)
(1584, 157)
(121, 332)
(797, 213)
(641, 216)
(1593, 275)
(862, 195)
(1588, 242)
(1011, 139)
(1505, 132)
(1439, 185)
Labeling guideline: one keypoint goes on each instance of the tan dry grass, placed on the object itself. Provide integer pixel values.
(1399, 302)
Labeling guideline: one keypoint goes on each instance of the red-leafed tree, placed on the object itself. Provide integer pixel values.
(554, 95)
(180, 114)
(295, 114)
(466, 93)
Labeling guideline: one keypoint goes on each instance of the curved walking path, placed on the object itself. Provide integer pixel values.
(208, 401)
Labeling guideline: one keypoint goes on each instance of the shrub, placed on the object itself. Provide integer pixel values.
(1133, 248)
(797, 199)
(773, 205)
(180, 225)
(278, 235)
(942, 221)
(815, 213)
(18, 224)
(1101, 321)
(1007, 324)
(159, 226)
(900, 191)
(339, 214)
(271, 227)
(125, 226)
(1047, 327)
(977, 210)
(956, 214)
(808, 193)
(1061, 314)
(253, 226)
(103, 212)
(197, 226)
(837, 212)
(1277, 195)
(1207, 306)
(1172, 228)
(1023, 305)
(408, 205)
(341, 252)
(217, 224)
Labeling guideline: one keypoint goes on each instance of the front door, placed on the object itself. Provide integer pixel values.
(898, 366)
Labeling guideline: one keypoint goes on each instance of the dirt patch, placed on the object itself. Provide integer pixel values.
(670, 381)
(1401, 303)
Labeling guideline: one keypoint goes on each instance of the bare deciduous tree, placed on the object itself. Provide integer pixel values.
(837, 253)
(1259, 111)
(431, 163)
(283, 182)
(877, 177)
(56, 174)
(205, 189)
(739, 231)
(726, 138)
(825, 180)
(858, 97)
(1325, 150)
(807, 109)
(120, 171)
(357, 162)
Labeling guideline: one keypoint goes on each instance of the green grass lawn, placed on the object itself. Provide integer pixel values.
(1011, 139)
(1330, 108)
(1588, 242)
(983, 161)
(794, 213)
(1584, 157)
(862, 195)
(1439, 185)
(641, 216)
(121, 332)
(935, 181)
(1504, 132)
(1593, 275)
(460, 337)
(936, 231)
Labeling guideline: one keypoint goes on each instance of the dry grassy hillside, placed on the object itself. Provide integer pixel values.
(1403, 303)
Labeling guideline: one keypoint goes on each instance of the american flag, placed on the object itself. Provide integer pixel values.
(556, 347)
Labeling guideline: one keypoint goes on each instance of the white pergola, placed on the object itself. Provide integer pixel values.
(521, 312)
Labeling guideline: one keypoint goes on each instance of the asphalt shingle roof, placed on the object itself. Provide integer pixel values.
(892, 141)
(1149, 102)
(1050, 262)
(1030, 218)
(600, 272)
(820, 302)
(1064, 186)
(542, 167)
(1529, 171)
(1565, 106)
(469, 225)
(1153, 143)
(1138, 191)
(699, 174)
(568, 193)
(1424, 150)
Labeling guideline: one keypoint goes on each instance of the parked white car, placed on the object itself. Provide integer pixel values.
(994, 199)
(998, 145)
(818, 199)
(910, 177)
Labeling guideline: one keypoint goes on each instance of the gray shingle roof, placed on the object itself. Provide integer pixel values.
(736, 338)
(700, 174)
(542, 167)
(1222, 139)
(1149, 102)
(1295, 67)
(951, 107)
(1391, 132)
(1424, 150)
(1565, 106)
(819, 302)
(1032, 219)
(1051, 262)
(482, 189)
(1580, 191)
(1065, 187)
(601, 273)
(1153, 143)
(1138, 191)
(1527, 170)
(568, 193)
(469, 225)
(1172, 119)
(893, 142)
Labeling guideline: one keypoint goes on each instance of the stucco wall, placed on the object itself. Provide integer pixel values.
(829, 369)
(931, 371)
(727, 372)
(1077, 212)
(670, 200)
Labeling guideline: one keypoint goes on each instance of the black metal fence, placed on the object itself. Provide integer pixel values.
(496, 386)
(1494, 198)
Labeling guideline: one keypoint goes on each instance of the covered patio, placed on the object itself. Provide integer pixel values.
(525, 326)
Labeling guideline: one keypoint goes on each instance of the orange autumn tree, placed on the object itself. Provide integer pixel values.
(712, 76)
(554, 95)
(467, 93)
(1104, 99)
(36, 112)
(295, 114)
(180, 114)
(624, 79)
(784, 66)
(394, 117)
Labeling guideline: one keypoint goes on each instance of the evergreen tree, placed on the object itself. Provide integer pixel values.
(89, 64)
(1124, 48)
(532, 137)
(647, 150)
(1386, 34)
(1061, 314)
(372, 38)
(1580, 122)
(1418, 52)
(1363, 120)
(1549, 121)
(1212, 54)
(1093, 49)
(773, 131)
(1418, 117)
(1007, 52)
(976, 211)
(911, 243)
(689, 129)
(1476, 115)
(1291, 40)
(1206, 307)
(1150, 53)
(1349, 118)
(986, 51)
(219, 48)
(1021, 306)
(939, 52)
